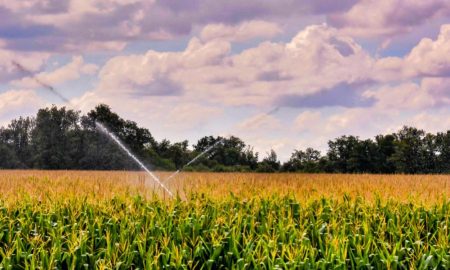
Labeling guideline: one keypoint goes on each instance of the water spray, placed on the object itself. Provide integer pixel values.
(102, 128)
(271, 112)
(40, 82)
(195, 159)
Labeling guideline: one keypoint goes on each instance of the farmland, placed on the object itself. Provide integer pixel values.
(117, 220)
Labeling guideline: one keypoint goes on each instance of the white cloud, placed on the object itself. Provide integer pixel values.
(431, 58)
(318, 58)
(261, 121)
(78, 26)
(404, 96)
(177, 92)
(439, 88)
(71, 71)
(184, 90)
(241, 32)
(372, 18)
(319, 127)
(431, 122)
(8, 71)
(308, 121)
(188, 116)
(15, 103)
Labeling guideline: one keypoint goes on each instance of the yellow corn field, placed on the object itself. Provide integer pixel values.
(95, 185)
(120, 220)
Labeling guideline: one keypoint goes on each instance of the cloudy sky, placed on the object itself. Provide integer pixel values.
(281, 74)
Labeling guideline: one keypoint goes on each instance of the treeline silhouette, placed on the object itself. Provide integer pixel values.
(60, 138)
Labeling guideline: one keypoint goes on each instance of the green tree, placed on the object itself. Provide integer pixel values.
(179, 154)
(408, 156)
(303, 161)
(270, 163)
(364, 157)
(52, 138)
(429, 154)
(229, 152)
(136, 138)
(17, 136)
(341, 154)
(8, 158)
(386, 145)
(443, 152)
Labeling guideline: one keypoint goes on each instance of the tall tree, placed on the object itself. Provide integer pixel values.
(303, 161)
(409, 149)
(386, 146)
(270, 163)
(341, 154)
(18, 137)
(136, 138)
(429, 154)
(51, 137)
(443, 152)
(230, 152)
(8, 158)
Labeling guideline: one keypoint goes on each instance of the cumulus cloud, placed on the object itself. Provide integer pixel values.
(186, 116)
(319, 67)
(431, 121)
(342, 94)
(403, 96)
(318, 62)
(308, 121)
(8, 71)
(438, 88)
(72, 71)
(372, 18)
(96, 25)
(15, 103)
(326, 71)
(431, 57)
(260, 121)
(70, 25)
(157, 73)
(364, 122)
(242, 32)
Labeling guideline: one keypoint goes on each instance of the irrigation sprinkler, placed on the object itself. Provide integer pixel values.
(270, 112)
(195, 159)
(102, 128)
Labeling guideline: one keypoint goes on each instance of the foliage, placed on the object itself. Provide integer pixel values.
(58, 138)
(305, 161)
(110, 220)
(200, 233)
(269, 163)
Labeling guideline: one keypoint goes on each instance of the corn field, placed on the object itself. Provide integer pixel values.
(114, 220)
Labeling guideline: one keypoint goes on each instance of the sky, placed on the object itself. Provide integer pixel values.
(280, 74)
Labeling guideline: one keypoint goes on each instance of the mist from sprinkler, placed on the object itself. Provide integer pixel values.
(210, 148)
(102, 128)
(105, 131)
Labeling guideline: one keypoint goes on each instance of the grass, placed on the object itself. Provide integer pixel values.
(112, 220)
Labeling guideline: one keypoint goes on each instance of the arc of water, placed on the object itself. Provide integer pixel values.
(99, 126)
(103, 129)
(271, 112)
(40, 82)
(195, 159)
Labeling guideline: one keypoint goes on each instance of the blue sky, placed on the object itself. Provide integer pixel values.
(185, 69)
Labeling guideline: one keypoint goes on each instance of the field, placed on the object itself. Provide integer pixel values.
(116, 220)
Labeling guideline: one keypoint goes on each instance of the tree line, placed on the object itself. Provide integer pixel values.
(60, 138)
